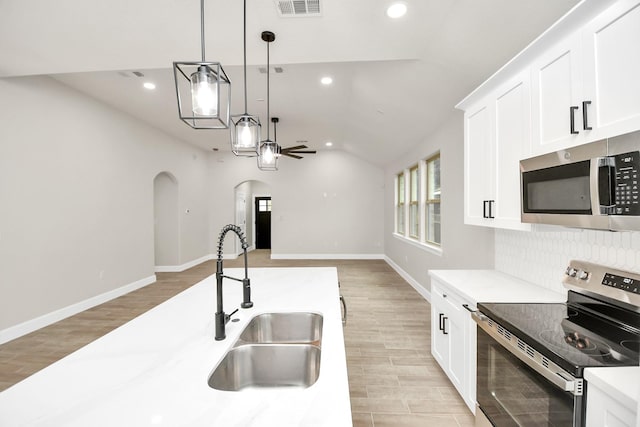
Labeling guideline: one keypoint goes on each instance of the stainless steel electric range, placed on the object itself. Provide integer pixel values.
(531, 357)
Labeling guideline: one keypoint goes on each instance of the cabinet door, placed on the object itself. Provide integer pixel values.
(604, 411)
(512, 143)
(612, 69)
(439, 341)
(454, 326)
(556, 86)
(478, 155)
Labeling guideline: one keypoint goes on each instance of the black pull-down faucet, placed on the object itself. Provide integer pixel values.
(221, 317)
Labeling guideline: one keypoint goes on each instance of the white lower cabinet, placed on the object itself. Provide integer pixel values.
(453, 334)
(605, 411)
(613, 396)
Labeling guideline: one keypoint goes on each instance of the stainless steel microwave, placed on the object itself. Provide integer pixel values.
(593, 185)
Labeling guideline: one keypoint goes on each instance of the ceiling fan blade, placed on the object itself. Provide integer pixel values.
(297, 147)
(303, 151)
(292, 155)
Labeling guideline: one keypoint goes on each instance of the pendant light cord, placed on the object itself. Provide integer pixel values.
(202, 27)
(268, 72)
(245, 57)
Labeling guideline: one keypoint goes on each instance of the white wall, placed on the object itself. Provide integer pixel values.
(463, 246)
(76, 198)
(328, 204)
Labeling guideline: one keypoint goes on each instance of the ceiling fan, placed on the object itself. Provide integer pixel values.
(294, 151)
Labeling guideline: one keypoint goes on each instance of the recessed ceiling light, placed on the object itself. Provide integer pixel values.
(328, 144)
(326, 80)
(149, 85)
(397, 10)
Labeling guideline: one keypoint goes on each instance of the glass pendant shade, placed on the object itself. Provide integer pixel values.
(268, 156)
(204, 92)
(245, 135)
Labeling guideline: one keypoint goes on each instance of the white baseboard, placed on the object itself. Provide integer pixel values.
(183, 267)
(29, 326)
(327, 256)
(406, 276)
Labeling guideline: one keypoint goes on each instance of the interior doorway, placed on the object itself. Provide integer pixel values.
(263, 222)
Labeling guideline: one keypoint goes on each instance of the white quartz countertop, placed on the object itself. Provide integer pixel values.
(621, 383)
(153, 370)
(494, 286)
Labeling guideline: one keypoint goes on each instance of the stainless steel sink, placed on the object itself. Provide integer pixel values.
(267, 365)
(302, 327)
(273, 350)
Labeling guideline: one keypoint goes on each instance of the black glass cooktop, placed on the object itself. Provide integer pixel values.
(574, 335)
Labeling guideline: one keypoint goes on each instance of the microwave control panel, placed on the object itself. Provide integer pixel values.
(627, 188)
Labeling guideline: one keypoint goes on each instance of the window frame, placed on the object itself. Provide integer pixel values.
(400, 211)
(432, 202)
(403, 216)
(413, 203)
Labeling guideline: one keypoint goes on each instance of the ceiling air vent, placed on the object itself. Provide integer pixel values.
(295, 8)
(131, 73)
(277, 70)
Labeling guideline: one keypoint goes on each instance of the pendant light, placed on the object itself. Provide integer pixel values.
(245, 128)
(268, 152)
(203, 90)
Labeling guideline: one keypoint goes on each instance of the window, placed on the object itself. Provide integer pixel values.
(432, 202)
(264, 205)
(414, 216)
(400, 203)
(418, 187)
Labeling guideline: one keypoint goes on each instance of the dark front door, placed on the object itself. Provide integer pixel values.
(263, 222)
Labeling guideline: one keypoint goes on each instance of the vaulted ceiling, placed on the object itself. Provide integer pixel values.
(394, 81)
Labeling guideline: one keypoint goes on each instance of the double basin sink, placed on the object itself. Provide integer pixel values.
(273, 350)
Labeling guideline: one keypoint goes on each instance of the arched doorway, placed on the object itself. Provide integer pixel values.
(166, 220)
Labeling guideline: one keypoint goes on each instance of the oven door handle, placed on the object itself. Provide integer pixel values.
(559, 378)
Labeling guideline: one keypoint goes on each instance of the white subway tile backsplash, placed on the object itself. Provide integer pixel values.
(541, 257)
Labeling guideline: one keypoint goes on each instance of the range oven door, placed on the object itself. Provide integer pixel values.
(511, 391)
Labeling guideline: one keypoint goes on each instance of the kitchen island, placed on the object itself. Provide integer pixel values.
(154, 369)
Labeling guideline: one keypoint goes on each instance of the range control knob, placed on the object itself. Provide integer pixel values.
(571, 271)
(583, 275)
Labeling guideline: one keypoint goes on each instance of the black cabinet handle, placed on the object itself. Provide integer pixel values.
(585, 122)
(487, 211)
(440, 322)
(572, 119)
(466, 307)
(444, 325)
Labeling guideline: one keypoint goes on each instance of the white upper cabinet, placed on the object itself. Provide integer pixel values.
(478, 185)
(611, 57)
(497, 136)
(512, 141)
(576, 83)
(557, 90)
(586, 87)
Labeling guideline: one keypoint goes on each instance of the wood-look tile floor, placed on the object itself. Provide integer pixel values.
(393, 379)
